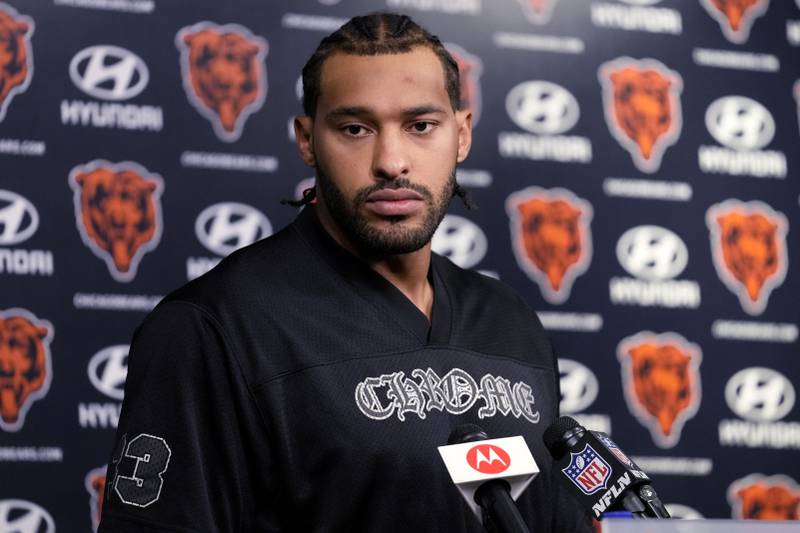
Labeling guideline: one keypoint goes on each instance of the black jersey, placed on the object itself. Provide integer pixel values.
(292, 388)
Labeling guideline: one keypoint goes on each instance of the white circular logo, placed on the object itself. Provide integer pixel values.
(109, 72)
(460, 240)
(19, 219)
(542, 107)
(740, 123)
(652, 253)
(579, 386)
(227, 226)
(21, 516)
(760, 394)
(108, 369)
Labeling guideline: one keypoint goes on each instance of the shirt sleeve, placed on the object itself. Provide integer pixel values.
(191, 451)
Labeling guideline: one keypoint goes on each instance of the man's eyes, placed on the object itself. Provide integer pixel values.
(420, 127)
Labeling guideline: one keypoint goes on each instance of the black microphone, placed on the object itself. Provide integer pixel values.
(500, 513)
(598, 473)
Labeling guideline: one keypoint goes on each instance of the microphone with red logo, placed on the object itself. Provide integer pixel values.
(598, 473)
(491, 474)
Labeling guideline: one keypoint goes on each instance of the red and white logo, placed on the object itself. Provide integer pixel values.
(488, 459)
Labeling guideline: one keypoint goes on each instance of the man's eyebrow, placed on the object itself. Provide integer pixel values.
(360, 111)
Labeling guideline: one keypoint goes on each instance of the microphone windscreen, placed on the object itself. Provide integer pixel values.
(466, 433)
(554, 435)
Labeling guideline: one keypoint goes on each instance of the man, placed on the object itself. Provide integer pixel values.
(306, 382)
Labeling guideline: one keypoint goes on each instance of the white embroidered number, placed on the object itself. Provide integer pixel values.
(143, 487)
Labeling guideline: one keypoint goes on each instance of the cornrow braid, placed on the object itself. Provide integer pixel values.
(376, 34)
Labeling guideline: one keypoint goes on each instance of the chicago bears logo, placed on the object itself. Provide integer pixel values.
(16, 55)
(224, 74)
(661, 378)
(736, 17)
(748, 245)
(118, 213)
(25, 365)
(642, 107)
(759, 497)
(551, 239)
(538, 11)
(470, 68)
(95, 483)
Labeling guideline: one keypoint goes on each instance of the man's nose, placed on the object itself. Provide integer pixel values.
(390, 158)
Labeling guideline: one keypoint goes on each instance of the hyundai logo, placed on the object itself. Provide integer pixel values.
(542, 107)
(109, 72)
(740, 123)
(108, 369)
(579, 386)
(460, 240)
(760, 394)
(225, 227)
(19, 219)
(652, 253)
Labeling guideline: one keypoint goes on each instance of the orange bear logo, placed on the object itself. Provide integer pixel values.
(118, 213)
(538, 11)
(470, 68)
(551, 239)
(95, 483)
(642, 108)
(661, 378)
(748, 245)
(224, 74)
(16, 55)
(758, 497)
(736, 17)
(25, 365)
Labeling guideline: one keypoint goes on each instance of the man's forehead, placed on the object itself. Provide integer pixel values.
(405, 79)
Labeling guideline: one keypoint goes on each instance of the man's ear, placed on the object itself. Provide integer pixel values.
(303, 127)
(464, 124)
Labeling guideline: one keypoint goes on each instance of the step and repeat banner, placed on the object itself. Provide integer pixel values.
(636, 165)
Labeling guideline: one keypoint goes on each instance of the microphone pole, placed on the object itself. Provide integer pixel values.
(500, 513)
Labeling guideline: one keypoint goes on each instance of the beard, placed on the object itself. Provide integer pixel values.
(399, 237)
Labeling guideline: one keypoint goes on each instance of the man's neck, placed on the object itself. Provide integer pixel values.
(408, 272)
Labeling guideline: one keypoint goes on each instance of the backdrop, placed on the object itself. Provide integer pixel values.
(635, 163)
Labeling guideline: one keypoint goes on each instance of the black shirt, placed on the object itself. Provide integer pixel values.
(292, 388)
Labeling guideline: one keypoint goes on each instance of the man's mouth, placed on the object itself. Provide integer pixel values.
(395, 202)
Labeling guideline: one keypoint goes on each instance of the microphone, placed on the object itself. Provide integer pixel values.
(599, 474)
(491, 474)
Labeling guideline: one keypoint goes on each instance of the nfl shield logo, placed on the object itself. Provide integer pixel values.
(588, 470)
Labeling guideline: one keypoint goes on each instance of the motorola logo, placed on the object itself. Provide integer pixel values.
(460, 240)
(760, 394)
(109, 72)
(488, 459)
(579, 386)
(542, 107)
(108, 369)
(21, 516)
(652, 253)
(740, 123)
(19, 219)
(228, 226)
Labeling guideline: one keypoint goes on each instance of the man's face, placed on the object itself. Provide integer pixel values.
(385, 142)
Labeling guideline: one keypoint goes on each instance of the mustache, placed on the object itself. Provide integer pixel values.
(398, 183)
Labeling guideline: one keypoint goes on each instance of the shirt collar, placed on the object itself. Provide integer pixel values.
(377, 289)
